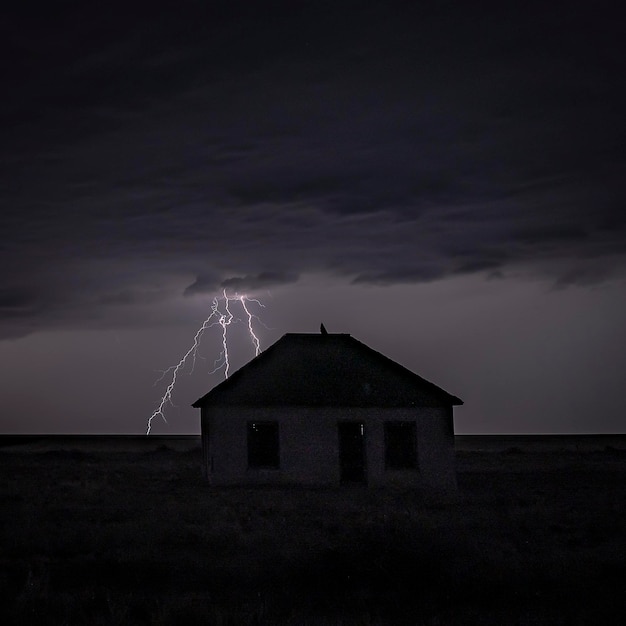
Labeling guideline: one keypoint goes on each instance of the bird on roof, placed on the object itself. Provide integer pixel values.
(323, 329)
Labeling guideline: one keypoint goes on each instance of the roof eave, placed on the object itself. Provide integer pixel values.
(205, 401)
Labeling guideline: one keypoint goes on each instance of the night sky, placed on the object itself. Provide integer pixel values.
(445, 181)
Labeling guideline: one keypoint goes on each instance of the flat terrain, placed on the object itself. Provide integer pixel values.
(114, 534)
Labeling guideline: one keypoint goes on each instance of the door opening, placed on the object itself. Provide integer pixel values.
(352, 451)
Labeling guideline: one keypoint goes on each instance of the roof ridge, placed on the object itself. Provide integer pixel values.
(316, 335)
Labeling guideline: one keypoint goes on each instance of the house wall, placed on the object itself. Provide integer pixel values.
(435, 448)
(204, 439)
(309, 445)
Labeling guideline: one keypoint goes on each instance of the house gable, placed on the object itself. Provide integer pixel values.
(317, 370)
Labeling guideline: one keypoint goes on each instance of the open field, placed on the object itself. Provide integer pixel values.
(125, 534)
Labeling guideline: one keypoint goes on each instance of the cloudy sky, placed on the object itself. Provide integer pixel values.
(444, 181)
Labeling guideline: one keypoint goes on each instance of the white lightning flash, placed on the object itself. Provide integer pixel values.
(219, 316)
(255, 339)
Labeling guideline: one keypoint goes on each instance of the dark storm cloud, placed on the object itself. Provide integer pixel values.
(264, 280)
(203, 284)
(16, 302)
(240, 284)
(480, 265)
(582, 276)
(399, 276)
(256, 142)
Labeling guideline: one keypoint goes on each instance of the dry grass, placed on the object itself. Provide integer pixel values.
(139, 538)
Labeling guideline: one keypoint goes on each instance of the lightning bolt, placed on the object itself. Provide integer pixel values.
(225, 321)
(222, 317)
(255, 339)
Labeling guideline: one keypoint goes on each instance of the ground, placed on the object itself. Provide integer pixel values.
(134, 536)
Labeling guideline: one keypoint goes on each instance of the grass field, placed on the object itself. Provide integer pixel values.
(117, 536)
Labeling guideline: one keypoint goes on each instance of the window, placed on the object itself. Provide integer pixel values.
(400, 448)
(263, 449)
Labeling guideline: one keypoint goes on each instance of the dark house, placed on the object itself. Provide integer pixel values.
(321, 409)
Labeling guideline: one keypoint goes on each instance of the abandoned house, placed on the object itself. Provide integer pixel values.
(322, 409)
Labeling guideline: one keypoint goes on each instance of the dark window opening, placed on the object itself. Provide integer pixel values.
(400, 445)
(263, 448)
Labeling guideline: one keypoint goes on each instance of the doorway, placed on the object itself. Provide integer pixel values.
(352, 451)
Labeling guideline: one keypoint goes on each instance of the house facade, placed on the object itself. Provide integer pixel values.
(325, 409)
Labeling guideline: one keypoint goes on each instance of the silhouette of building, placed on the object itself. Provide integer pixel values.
(321, 409)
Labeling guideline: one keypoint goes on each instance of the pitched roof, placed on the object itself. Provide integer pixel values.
(324, 370)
